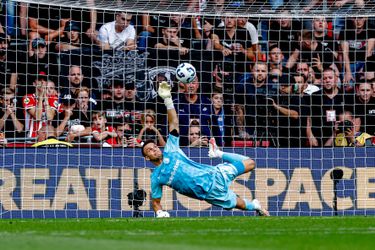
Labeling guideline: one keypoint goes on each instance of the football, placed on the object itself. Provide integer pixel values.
(185, 73)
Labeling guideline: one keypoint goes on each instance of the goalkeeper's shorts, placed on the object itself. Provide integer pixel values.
(220, 194)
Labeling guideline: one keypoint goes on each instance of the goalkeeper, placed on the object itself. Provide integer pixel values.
(199, 181)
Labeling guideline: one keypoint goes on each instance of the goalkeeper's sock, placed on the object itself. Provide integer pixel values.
(236, 160)
(250, 205)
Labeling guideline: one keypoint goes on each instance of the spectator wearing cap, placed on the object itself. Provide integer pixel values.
(40, 59)
(71, 39)
(40, 108)
(8, 72)
(10, 115)
(119, 34)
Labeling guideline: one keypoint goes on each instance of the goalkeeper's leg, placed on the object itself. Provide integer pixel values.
(245, 204)
(243, 163)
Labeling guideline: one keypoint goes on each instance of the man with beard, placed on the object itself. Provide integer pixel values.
(258, 107)
(8, 75)
(76, 81)
(326, 105)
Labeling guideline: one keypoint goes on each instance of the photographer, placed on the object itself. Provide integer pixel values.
(347, 132)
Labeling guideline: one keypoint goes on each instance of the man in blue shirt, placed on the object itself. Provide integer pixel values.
(195, 180)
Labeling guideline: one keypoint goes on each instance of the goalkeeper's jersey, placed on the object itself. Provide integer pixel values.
(182, 174)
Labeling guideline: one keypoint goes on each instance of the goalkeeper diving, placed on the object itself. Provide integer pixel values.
(195, 180)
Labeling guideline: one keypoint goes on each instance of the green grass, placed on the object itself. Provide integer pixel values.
(190, 233)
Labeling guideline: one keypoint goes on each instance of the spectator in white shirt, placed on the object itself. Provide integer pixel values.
(119, 34)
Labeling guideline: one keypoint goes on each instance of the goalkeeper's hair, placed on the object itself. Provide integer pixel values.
(144, 145)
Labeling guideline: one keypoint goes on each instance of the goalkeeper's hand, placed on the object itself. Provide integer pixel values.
(164, 90)
(161, 213)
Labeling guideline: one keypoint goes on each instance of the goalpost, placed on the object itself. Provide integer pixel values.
(269, 63)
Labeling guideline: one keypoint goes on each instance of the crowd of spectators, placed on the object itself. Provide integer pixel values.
(270, 82)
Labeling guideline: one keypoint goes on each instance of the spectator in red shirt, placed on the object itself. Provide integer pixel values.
(100, 130)
(40, 108)
(125, 136)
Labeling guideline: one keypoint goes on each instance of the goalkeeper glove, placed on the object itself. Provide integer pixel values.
(164, 92)
(162, 214)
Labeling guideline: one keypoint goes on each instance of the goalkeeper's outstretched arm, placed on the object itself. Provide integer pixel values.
(165, 93)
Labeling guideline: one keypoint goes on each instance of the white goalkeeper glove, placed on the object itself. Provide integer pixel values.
(164, 92)
(162, 214)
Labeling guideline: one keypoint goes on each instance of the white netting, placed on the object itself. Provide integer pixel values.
(291, 84)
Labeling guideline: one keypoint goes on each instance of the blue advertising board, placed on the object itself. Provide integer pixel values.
(91, 183)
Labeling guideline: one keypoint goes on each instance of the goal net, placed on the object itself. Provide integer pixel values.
(290, 84)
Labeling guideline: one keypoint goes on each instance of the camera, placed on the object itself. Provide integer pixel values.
(136, 199)
(128, 133)
(345, 126)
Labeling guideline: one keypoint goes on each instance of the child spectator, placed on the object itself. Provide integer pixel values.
(100, 130)
(149, 131)
(196, 139)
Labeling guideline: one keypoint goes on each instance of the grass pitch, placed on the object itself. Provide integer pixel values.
(190, 233)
